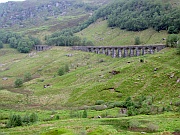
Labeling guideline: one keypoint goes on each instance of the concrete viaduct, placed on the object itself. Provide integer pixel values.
(122, 51)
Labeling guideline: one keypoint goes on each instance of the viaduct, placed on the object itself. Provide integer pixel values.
(42, 47)
(122, 51)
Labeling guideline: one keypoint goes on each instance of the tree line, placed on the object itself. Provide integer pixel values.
(66, 37)
(23, 44)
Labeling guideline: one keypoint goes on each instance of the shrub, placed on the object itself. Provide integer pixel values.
(26, 119)
(18, 82)
(172, 40)
(132, 111)
(14, 121)
(61, 71)
(84, 114)
(173, 30)
(145, 109)
(137, 41)
(33, 118)
(27, 76)
(118, 104)
(99, 102)
(128, 102)
(57, 117)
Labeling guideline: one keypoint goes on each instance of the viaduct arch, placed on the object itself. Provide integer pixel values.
(122, 51)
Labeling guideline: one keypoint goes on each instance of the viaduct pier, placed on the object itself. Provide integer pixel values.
(122, 51)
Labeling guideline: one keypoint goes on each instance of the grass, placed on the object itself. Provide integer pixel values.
(87, 82)
(114, 126)
(89, 79)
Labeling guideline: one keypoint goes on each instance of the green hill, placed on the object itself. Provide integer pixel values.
(89, 79)
(77, 93)
(89, 85)
(102, 35)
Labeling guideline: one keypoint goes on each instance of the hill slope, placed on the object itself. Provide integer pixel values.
(89, 79)
(100, 34)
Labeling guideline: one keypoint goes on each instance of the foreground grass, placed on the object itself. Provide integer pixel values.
(154, 124)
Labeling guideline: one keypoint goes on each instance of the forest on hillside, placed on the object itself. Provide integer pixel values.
(138, 15)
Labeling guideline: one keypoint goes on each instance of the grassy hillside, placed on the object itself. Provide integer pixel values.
(89, 79)
(101, 34)
(87, 82)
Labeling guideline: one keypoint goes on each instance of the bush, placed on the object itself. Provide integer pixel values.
(18, 82)
(118, 104)
(172, 40)
(99, 102)
(26, 119)
(137, 41)
(27, 76)
(14, 121)
(84, 114)
(33, 118)
(132, 111)
(128, 102)
(61, 71)
(57, 117)
(173, 30)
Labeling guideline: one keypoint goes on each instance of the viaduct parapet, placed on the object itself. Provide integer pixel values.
(122, 51)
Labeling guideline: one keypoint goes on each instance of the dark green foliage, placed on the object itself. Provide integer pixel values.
(173, 30)
(1, 44)
(18, 82)
(99, 102)
(66, 38)
(132, 111)
(84, 115)
(61, 71)
(128, 102)
(27, 76)
(57, 117)
(33, 118)
(172, 40)
(25, 45)
(26, 119)
(137, 41)
(14, 121)
(35, 41)
(134, 15)
(21, 43)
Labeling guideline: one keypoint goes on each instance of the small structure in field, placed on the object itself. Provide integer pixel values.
(42, 47)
